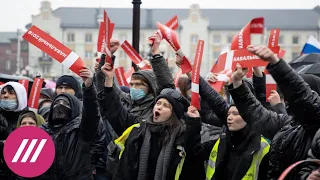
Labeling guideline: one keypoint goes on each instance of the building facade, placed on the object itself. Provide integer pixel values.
(8, 53)
(78, 29)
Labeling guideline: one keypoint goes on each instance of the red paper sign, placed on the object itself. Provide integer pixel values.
(120, 76)
(100, 44)
(128, 74)
(134, 56)
(242, 39)
(107, 37)
(54, 48)
(171, 37)
(25, 83)
(195, 98)
(35, 94)
(223, 77)
(281, 53)
(172, 24)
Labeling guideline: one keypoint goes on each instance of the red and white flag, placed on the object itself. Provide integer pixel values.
(128, 74)
(134, 56)
(35, 94)
(54, 48)
(242, 39)
(172, 38)
(25, 83)
(120, 76)
(172, 24)
(195, 98)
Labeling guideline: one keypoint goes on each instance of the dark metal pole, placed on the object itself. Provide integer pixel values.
(136, 27)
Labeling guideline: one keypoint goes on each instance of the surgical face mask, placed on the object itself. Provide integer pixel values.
(137, 94)
(9, 104)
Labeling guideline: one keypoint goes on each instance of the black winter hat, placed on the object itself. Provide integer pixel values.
(69, 81)
(179, 103)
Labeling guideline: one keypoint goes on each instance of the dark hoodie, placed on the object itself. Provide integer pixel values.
(73, 140)
(142, 109)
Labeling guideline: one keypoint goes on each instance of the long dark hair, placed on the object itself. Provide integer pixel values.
(174, 123)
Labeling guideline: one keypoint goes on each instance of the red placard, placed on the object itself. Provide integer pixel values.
(35, 94)
(25, 83)
(172, 24)
(120, 76)
(242, 39)
(107, 37)
(195, 98)
(171, 37)
(134, 56)
(223, 77)
(100, 43)
(54, 48)
(281, 53)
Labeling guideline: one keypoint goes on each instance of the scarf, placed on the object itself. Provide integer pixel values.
(165, 153)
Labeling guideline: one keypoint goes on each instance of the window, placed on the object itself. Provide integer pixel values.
(295, 39)
(70, 37)
(229, 39)
(122, 37)
(216, 39)
(281, 40)
(216, 54)
(8, 51)
(194, 39)
(88, 38)
(8, 65)
(88, 54)
(295, 54)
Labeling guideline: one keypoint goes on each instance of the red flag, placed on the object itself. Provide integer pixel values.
(172, 38)
(134, 56)
(35, 94)
(172, 24)
(242, 39)
(195, 98)
(54, 48)
(25, 83)
(120, 76)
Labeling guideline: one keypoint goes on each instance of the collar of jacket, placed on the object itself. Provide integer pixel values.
(252, 142)
(71, 125)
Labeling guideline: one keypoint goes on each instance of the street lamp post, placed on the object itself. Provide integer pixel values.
(136, 27)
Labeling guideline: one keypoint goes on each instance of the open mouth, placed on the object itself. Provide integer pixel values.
(156, 114)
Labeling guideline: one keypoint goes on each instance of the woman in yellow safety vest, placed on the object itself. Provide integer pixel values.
(240, 153)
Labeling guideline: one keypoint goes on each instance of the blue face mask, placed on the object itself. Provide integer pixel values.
(8, 104)
(137, 94)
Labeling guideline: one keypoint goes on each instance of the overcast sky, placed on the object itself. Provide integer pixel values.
(17, 13)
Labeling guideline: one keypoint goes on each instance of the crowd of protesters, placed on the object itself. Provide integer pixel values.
(151, 132)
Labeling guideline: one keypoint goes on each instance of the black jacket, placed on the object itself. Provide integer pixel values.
(72, 141)
(129, 162)
(201, 152)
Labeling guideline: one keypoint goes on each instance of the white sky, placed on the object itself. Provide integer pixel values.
(16, 14)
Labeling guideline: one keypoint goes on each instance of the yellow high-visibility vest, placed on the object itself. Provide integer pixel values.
(120, 142)
(253, 171)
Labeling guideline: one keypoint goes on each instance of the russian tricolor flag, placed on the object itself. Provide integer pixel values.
(311, 46)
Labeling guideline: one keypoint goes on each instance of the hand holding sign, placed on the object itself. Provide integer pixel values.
(86, 76)
(193, 112)
(107, 70)
(156, 39)
(114, 45)
(263, 53)
(238, 75)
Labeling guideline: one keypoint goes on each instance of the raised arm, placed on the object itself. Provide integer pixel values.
(304, 102)
(90, 111)
(160, 67)
(119, 117)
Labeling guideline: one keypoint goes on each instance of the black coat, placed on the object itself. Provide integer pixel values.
(201, 152)
(72, 141)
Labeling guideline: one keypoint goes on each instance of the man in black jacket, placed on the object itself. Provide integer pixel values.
(72, 132)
